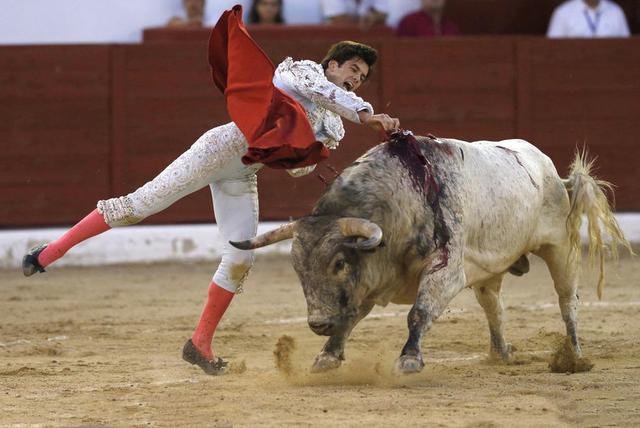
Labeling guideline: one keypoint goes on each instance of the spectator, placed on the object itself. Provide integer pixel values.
(588, 18)
(365, 12)
(194, 12)
(428, 21)
(266, 12)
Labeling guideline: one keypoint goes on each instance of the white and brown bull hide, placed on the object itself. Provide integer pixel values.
(416, 220)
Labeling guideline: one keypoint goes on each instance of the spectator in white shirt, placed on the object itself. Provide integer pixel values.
(365, 12)
(588, 18)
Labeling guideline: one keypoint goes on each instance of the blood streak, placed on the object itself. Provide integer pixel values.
(404, 146)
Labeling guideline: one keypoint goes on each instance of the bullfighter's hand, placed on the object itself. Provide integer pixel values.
(379, 122)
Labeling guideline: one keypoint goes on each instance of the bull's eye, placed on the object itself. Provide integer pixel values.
(339, 265)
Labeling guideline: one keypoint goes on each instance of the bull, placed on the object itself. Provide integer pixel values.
(417, 219)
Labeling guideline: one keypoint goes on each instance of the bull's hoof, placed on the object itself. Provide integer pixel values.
(502, 356)
(408, 364)
(325, 362)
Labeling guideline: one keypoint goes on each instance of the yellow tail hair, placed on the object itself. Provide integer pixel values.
(587, 195)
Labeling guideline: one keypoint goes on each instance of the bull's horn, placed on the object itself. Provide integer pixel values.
(276, 235)
(351, 226)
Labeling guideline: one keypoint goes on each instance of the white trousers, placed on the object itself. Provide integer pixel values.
(214, 160)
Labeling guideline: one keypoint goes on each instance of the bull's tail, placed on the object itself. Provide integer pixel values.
(587, 196)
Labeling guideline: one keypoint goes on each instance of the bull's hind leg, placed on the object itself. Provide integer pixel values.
(488, 295)
(564, 272)
(332, 353)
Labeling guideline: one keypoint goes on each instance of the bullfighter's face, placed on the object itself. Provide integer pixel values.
(349, 75)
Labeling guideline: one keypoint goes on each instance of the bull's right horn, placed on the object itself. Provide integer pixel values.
(276, 235)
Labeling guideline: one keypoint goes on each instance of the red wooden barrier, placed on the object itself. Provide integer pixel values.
(54, 132)
(270, 32)
(80, 123)
(572, 94)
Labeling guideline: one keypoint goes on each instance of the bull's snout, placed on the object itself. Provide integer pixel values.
(326, 326)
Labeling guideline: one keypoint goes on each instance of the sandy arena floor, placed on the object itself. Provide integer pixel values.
(101, 346)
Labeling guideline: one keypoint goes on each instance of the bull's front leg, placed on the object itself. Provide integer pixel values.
(332, 353)
(435, 292)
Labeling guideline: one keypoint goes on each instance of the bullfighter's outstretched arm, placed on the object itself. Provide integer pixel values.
(307, 79)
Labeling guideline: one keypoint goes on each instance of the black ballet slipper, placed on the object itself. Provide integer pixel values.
(30, 264)
(191, 355)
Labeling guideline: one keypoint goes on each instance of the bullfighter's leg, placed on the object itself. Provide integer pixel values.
(236, 209)
(564, 272)
(488, 295)
(201, 164)
(332, 353)
(435, 292)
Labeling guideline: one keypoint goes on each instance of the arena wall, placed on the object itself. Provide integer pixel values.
(80, 123)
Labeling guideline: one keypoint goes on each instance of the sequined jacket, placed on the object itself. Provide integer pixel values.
(324, 102)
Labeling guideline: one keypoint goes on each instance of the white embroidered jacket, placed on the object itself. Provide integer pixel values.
(323, 101)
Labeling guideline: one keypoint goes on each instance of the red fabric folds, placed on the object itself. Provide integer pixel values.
(274, 124)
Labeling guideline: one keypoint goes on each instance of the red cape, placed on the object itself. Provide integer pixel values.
(274, 124)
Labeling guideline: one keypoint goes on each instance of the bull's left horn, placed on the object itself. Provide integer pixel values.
(351, 226)
(276, 235)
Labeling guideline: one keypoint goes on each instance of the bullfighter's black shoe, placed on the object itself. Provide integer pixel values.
(191, 355)
(520, 267)
(30, 264)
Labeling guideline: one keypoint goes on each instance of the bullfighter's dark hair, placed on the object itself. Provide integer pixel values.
(254, 18)
(346, 50)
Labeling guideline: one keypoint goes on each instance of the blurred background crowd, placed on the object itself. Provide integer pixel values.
(99, 21)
